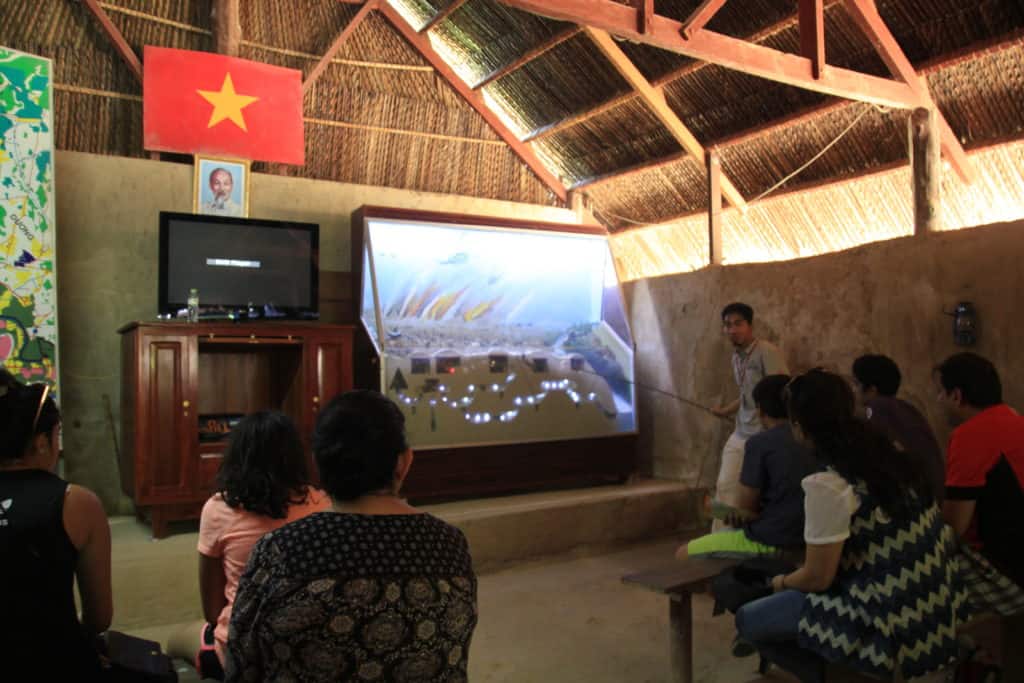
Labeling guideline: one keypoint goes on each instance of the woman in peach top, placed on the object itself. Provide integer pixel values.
(263, 484)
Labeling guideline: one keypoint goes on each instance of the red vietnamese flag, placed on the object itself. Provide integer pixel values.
(204, 103)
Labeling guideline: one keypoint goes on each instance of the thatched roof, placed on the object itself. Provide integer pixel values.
(381, 115)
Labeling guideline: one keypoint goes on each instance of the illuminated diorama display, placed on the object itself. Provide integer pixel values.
(489, 334)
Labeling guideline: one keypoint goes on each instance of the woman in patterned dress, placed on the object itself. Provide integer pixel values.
(878, 591)
(374, 590)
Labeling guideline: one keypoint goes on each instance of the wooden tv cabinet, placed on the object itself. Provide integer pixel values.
(175, 374)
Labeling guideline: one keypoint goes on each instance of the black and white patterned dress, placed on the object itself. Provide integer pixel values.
(347, 597)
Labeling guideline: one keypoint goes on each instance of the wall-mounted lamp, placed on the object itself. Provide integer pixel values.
(965, 324)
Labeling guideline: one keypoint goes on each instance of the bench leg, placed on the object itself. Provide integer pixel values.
(680, 646)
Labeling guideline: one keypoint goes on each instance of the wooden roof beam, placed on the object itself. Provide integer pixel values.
(528, 56)
(659, 82)
(645, 10)
(699, 18)
(442, 15)
(654, 98)
(812, 34)
(866, 16)
(728, 52)
(421, 43)
(116, 37)
(336, 46)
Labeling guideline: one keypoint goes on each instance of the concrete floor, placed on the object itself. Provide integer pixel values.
(569, 619)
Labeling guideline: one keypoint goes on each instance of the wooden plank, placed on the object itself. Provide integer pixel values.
(812, 34)
(655, 100)
(866, 16)
(619, 174)
(442, 15)
(227, 27)
(699, 18)
(674, 576)
(528, 56)
(728, 52)
(339, 41)
(422, 45)
(680, 638)
(714, 165)
(925, 168)
(116, 37)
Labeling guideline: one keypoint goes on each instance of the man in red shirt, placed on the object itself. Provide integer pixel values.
(984, 464)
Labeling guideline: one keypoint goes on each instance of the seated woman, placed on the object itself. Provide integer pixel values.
(374, 590)
(262, 484)
(877, 591)
(770, 515)
(52, 533)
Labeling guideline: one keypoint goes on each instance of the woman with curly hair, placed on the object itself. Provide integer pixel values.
(262, 484)
(879, 590)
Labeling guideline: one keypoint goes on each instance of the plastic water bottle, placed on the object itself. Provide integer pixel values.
(193, 305)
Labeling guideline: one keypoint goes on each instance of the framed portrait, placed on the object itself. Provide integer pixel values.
(220, 186)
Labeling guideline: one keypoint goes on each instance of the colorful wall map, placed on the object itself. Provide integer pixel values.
(28, 287)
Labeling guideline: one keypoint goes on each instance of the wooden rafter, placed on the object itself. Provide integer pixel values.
(442, 15)
(866, 16)
(728, 52)
(812, 34)
(654, 98)
(700, 17)
(475, 99)
(714, 168)
(528, 56)
(339, 41)
(116, 37)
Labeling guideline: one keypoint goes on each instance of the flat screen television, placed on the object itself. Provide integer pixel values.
(269, 268)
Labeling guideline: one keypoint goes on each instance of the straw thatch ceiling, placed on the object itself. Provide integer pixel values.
(381, 115)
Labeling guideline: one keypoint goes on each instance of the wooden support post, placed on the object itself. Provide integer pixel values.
(645, 14)
(714, 166)
(926, 168)
(227, 27)
(812, 34)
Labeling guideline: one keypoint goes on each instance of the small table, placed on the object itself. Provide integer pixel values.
(679, 581)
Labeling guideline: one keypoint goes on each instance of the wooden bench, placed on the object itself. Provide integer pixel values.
(679, 581)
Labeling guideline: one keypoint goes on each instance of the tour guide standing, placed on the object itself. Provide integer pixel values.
(752, 360)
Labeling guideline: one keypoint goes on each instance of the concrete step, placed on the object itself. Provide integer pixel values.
(156, 583)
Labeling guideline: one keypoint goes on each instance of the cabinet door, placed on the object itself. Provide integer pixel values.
(170, 441)
(328, 370)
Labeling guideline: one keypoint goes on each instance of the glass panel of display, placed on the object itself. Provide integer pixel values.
(368, 311)
(501, 336)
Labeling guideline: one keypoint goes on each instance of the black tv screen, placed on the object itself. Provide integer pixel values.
(235, 262)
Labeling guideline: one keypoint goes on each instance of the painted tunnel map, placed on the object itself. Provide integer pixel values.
(28, 288)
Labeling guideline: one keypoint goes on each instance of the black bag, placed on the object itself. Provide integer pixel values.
(135, 660)
(746, 582)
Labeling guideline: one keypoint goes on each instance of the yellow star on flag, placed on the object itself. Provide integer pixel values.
(227, 104)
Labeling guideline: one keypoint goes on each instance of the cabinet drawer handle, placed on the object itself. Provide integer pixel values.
(316, 399)
(185, 404)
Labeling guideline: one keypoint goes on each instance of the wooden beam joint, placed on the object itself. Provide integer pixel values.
(700, 17)
(645, 12)
(812, 34)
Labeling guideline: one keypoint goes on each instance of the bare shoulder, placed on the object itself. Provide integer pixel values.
(83, 513)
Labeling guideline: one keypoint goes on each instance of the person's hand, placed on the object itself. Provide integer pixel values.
(777, 583)
(735, 520)
(722, 412)
(681, 552)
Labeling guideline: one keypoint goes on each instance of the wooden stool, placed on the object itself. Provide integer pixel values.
(679, 581)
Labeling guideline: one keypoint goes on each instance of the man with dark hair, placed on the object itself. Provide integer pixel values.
(876, 381)
(752, 360)
(985, 467)
(770, 498)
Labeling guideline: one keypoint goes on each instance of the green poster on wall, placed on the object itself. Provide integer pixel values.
(28, 286)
